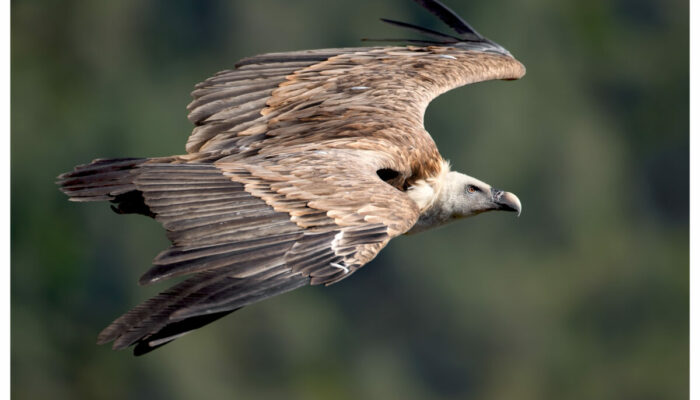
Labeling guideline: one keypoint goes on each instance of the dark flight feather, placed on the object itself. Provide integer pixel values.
(450, 18)
(438, 35)
(174, 330)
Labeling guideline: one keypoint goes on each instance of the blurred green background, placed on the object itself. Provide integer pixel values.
(585, 296)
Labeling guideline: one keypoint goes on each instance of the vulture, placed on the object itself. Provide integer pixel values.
(301, 167)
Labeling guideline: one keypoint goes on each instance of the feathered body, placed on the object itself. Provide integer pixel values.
(301, 167)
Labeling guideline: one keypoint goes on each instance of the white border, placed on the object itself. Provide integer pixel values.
(5, 199)
(694, 243)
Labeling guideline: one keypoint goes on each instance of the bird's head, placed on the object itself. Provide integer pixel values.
(463, 196)
(459, 196)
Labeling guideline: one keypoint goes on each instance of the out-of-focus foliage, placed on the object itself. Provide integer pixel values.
(585, 296)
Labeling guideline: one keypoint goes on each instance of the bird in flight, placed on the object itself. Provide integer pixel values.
(301, 167)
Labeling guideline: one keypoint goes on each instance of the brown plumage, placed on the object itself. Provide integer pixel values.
(300, 169)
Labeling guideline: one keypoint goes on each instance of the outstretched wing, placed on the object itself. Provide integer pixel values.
(243, 232)
(342, 95)
(231, 101)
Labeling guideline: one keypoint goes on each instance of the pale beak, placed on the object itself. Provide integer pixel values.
(506, 201)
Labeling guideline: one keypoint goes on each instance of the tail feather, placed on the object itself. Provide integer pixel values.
(107, 180)
(101, 178)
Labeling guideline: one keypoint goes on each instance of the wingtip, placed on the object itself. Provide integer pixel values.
(466, 36)
(147, 279)
(449, 17)
(439, 36)
(107, 335)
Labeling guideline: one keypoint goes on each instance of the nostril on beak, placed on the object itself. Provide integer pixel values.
(496, 194)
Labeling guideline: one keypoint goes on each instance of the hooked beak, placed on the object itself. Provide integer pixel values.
(506, 201)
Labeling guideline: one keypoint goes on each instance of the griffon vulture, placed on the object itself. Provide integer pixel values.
(301, 167)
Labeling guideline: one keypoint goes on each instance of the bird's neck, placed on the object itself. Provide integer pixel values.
(426, 193)
(432, 218)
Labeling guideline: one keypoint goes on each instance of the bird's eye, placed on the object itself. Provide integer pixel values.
(472, 189)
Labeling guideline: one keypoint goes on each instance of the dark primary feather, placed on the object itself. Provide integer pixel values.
(450, 18)
(468, 37)
(438, 35)
(174, 330)
(193, 303)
